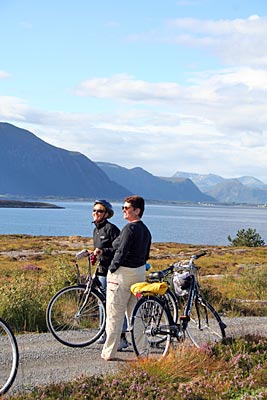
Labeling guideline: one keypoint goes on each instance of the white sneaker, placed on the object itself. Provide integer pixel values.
(123, 344)
(102, 338)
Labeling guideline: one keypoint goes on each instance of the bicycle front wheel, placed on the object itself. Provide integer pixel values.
(75, 318)
(205, 326)
(150, 328)
(9, 357)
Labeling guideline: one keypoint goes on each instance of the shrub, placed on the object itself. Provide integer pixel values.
(248, 238)
(24, 301)
(23, 305)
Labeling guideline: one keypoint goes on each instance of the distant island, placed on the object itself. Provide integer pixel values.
(26, 204)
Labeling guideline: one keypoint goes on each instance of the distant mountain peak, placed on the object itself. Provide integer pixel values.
(30, 167)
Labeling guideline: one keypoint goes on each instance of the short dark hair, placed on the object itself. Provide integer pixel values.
(136, 202)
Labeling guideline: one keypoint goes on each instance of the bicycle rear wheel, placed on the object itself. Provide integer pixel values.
(73, 319)
(205, 326)
(150, 328)
(9, 357)
(173, 304)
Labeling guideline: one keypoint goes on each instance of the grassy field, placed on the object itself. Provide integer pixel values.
(33, 268)
(234, 280)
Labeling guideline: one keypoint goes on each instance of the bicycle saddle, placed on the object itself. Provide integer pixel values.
(156, 276)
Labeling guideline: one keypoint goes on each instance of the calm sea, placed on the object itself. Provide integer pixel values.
(167, 223)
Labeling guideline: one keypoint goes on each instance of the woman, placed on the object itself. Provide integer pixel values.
(103, 235)
(127, 267)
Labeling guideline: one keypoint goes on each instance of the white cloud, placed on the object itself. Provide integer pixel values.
(237, 42)
(127, 88)
(215, 123)
(4, 74)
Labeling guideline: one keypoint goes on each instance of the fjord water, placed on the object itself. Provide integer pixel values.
(208, 225)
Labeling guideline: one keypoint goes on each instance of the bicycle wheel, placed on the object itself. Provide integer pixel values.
(150, 328)
(73, 319)
(205, 326)
(9, 357)
(173, 304)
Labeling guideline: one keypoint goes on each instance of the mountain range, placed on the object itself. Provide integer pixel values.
(32, 168)
(245, 189)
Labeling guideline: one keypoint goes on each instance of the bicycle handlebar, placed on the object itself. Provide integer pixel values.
(82, 254)
(196, 256)
(159, 275)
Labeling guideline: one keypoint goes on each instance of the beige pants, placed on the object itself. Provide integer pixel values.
(119, 300)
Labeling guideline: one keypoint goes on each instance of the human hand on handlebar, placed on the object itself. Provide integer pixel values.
(98, 252)
(81, 254)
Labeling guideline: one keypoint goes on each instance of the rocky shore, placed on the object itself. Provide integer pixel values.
(26, 204)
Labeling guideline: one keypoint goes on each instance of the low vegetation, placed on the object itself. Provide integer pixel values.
(234, 370)
(33, 268)
(233, 278)
(248, 237)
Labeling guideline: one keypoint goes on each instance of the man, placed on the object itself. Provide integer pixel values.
(127, 267)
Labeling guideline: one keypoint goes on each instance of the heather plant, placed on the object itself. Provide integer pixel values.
(233, 370)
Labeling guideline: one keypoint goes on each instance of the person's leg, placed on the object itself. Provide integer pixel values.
(138, 275)
(103, 281)
(124, 344)
(117, 298)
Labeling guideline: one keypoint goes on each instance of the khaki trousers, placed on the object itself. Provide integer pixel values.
(119, 300)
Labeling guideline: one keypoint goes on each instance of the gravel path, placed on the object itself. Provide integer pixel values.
(43, 360)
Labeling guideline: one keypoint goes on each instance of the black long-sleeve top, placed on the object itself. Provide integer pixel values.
(132, 246)
(103, 236)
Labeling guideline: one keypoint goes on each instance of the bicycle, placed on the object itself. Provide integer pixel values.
(153, 327)
(76, 315)
(9, 357)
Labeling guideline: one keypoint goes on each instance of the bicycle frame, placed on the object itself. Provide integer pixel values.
(194, 295)
(91, 281)
(153, 315)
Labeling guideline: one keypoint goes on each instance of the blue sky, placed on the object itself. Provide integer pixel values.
(164, 85)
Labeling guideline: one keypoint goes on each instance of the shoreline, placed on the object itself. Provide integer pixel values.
(26, 204)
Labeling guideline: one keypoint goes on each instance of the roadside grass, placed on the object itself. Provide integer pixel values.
(236, 369)
(33, 268)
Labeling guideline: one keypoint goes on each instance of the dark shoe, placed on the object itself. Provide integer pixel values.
(102, 339)
(123, 344)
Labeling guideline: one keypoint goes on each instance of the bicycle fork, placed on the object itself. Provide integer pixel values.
(84, 303)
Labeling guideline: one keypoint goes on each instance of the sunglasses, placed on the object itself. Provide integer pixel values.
(99, 211)
(125, 207)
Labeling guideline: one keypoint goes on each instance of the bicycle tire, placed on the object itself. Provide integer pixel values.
(173, 304)
(9, 357)
(148, 317)
(173, 307)
(69, 324)
(205, 326)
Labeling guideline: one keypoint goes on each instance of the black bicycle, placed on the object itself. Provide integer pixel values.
(9, 357)
(76, 315)
(153, 326)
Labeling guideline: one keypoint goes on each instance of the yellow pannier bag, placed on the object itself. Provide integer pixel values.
(145, 288)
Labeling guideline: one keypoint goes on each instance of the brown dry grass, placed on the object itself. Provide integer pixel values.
(40, 254)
